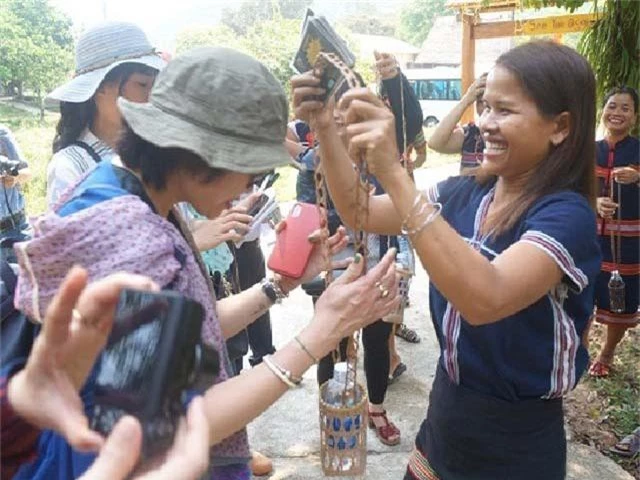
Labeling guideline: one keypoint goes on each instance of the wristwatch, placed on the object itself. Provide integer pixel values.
(272, 290)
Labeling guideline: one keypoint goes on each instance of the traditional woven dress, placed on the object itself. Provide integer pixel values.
(625, 153)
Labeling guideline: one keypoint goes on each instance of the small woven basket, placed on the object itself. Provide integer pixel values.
(403, 291)
(343, 436)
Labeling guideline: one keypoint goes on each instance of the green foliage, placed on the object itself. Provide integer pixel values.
(251, 12)
(612, 44)
(370, 25)
(417, 17)
(570, 5)
(272, 41)
(36, 51)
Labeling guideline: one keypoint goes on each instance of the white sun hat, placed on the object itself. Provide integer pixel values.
(98, 51)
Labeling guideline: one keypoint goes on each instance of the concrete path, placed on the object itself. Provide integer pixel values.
(289, 433)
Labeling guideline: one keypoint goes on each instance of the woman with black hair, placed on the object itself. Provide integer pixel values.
(113, 60)
(511, 251)
(618, 172)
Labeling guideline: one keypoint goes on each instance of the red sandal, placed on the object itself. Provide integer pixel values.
(599, 369)
(388, 433)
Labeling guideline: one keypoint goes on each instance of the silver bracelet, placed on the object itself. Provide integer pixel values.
(437, 209)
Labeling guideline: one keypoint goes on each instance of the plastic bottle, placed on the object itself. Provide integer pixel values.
(616, 292)
(333, 394)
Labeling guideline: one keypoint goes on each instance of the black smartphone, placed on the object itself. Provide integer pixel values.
(258, 204)
(151, 359)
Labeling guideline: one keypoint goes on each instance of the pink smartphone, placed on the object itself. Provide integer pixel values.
(292, 250)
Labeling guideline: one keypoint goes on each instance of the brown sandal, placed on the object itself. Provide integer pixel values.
(388, 433)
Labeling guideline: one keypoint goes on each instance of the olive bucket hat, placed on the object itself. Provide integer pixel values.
(220, 104)
(98, 51)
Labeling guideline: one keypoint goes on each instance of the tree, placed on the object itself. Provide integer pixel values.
(369, 25)
(251, 12)
(273, 42)
(416, 19)
(611, 44)
(36, 51)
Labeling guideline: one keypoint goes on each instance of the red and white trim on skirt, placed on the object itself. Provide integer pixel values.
(419, 467)
(622, 319)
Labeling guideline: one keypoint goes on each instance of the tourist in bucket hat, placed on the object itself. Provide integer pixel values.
(215, 121)
(113, 59)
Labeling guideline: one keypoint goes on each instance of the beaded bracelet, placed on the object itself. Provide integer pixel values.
(284, 375)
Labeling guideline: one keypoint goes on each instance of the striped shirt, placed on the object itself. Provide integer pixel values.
(69, 164)
(536, 352)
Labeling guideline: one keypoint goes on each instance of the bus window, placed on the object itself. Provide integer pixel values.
(455, 86)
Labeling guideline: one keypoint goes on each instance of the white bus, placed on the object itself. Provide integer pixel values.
(438, 89)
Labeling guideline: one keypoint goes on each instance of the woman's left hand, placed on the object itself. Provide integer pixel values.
(319, 256)
(74, 331)
(626, 175)
(371, 132)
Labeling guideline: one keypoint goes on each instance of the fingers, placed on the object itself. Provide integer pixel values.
(59, 312)
(384, 268)
(280, 226)
(99, 299)
(120, 453)
(237, 227)
(353, 272)
(189, 456)
(363, 95)
(235, 216)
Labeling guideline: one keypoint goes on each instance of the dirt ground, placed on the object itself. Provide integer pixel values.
(600, 412)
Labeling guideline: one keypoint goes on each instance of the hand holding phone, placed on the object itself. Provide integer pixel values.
(292, 250)
(153, 356)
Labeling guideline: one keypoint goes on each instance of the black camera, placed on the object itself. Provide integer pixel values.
(9, 167)
(153, 360)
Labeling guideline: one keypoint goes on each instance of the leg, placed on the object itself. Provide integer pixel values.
(615, 333)
(251, 269)
(396, 367)
(375, 339)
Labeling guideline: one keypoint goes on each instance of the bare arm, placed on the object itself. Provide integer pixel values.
(482, 291)
(448, 136)
(239, 310)
(346, 305)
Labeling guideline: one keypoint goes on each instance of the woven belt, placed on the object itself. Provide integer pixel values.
(12, 221)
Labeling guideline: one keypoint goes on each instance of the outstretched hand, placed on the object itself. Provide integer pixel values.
(74, 331)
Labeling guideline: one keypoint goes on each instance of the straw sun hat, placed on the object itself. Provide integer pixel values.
(99, 51)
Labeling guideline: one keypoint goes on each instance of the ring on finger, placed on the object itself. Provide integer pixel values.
(78, 317)
(384, 293)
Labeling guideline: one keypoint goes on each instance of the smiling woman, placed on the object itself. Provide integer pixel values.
(511, 254)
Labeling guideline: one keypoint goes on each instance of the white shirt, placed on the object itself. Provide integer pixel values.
(70, 163)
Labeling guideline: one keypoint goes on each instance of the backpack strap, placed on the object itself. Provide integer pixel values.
(89, 149)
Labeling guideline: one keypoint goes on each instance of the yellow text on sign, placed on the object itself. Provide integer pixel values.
(560, 24)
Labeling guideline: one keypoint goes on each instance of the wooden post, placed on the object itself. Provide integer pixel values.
(468, 61)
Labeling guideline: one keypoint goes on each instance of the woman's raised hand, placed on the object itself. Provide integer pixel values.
(370, 131)
(306, 91)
